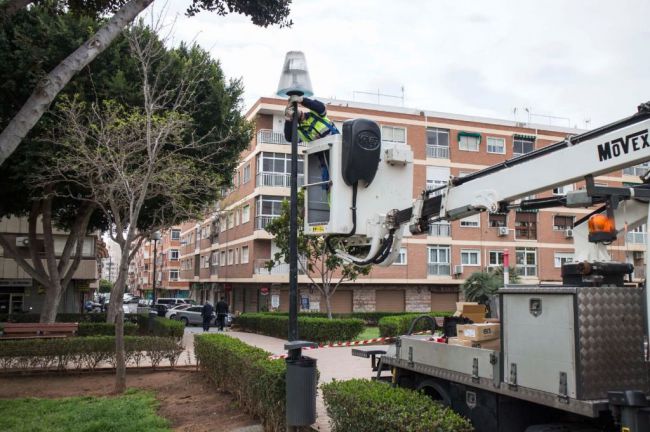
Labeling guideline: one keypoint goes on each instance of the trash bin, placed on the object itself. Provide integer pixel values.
(301, 391)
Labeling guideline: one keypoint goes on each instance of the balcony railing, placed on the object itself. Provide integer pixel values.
(283, 268)
(438, 152)
(262, 221)
(440, 229)
(267, 136)
(277, 179)
(439, 269)
(636, 237)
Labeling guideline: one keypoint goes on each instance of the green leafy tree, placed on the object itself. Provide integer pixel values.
(325, 270)
(105, 286)
(481, 286)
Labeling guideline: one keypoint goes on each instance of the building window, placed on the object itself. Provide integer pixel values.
(562, 257)
(470, 257)
(173, 275)
(561, 223)
(526, 261)
(176, 234)
(274, 169)
(236, 217)
(438, 261)
(495, 258)
(526, 225)
(223, 224)
(214, 258)
(231, 256)
(393, 134)
(438, 143)
(496, 145)
(173, 254)
(562, 190)
(469, 141)
(246, 213)
(521, 146)
(401, 258)
(473, 221)
(222, 258)
(236, 255)
(244, 254)
(437, 177)
(146, 267)
(230, 220)
(267, 208)
(496, 220)
(247, 174)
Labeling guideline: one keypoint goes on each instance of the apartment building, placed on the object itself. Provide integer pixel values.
(225, 254)
(20, 293)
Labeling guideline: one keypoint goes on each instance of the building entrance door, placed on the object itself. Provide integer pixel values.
(11, 303)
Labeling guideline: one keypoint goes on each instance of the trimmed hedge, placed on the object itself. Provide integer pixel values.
(399, 324)
(61, 317)
(162, 327)
(371, 406)
(246, 372)
(85, 352)
(312, 329)
(105, 329)
(370, 318)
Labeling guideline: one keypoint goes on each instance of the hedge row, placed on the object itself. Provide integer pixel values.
(85, 352)
(105, 329)
(399, 324)
(370, 318)
(61, 317)
(309, 328)
(246, 372)
(162, 327)
(371, 406)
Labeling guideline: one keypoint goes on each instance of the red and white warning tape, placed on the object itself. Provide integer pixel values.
(352, 343)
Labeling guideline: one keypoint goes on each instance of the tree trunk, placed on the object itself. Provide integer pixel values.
(120, 356)
(50, 86)
(51, 304)
(328, 305)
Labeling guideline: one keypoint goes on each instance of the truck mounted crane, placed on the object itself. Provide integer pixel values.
(572, 357)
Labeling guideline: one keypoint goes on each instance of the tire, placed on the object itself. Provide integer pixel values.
(172, 316)
(185, 321)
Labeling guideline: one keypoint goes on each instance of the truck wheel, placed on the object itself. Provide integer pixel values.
(435, 391)
(561, 428)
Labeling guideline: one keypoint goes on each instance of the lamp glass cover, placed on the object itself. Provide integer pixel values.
(295, 76)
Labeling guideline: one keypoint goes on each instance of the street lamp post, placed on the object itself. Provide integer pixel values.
(301, 371)
(155, 237)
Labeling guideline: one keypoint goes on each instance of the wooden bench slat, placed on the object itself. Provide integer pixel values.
(39, 330)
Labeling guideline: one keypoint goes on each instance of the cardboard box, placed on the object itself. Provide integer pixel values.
(471, 310)
(494, 344)
(479, 332)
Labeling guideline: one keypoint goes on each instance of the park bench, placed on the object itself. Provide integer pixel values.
(39, 330)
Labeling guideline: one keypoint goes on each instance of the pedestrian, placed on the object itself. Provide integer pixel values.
(206, 313)
(222, 312)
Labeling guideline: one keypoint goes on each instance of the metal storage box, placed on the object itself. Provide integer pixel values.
(576, 342)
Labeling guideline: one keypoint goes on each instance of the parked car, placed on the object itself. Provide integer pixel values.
(160, 309)
(171, 312)
(192, 315)
(170, 301)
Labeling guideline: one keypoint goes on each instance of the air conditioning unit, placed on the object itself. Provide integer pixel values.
(458, 269)
(568, 233)
(22, 241)
(503, 231)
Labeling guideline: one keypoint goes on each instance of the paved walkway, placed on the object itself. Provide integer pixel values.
(332, 363)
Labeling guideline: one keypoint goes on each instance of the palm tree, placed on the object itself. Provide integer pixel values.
(481, 286)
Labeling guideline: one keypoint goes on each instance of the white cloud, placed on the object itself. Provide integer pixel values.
(578, 60)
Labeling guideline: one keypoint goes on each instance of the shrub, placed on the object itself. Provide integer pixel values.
(362, 405)
(85, 352)
(399, 324)
(162, 327)
(370, 318)
(105, 329)
(312, 329)
(246, 372)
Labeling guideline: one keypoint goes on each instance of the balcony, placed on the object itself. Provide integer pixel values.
(283, 268)
(277, 179)
(267, 136)
(440, 229)
(439, 269)
(262, 221)
(438, 152)
(635, 237)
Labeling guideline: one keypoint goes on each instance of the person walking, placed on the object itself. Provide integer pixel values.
(222, 311)
(206, 313)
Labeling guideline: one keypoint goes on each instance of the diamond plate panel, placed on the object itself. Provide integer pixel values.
(610, 341)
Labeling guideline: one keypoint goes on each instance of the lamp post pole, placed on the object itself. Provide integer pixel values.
(153, 285)
(293, 229)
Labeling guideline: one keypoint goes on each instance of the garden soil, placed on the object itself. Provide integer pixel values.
(187, 400)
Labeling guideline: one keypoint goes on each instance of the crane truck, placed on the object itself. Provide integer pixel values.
(572, 357)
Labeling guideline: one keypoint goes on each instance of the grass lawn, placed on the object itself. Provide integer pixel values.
(134, 411)
(369, 333)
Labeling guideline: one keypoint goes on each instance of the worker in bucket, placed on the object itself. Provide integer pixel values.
(312, 125)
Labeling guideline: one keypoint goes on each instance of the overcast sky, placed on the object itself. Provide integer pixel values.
(577, 60)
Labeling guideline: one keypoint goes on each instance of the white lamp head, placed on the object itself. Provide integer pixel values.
(295, 76)
(156, 235)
